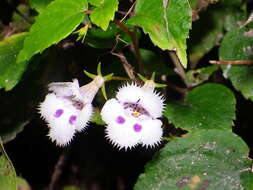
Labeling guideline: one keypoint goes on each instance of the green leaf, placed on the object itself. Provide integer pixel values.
(104, 12)
(10, 71)
(22, 184)
(167, 23)
(9, 132)
(206, 159)
(221, 16)
(54, 23)
(39, 5)
(208, 106)
(238, 45)
(7, 171)
(198, 76)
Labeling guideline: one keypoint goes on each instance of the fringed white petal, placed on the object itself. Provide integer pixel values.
(49, 106)
(149, 100)
(62, 129)
(122, 136)
(152, 102)
(111, 110)
(83, 117)
(152, 132)
(61, 134)
(130, 93)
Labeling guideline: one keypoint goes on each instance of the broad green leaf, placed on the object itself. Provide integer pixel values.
(22, 184)
(167, 23)
(10, 71)
(104, 12)
(209, 106)
(9, 132)
(53, 24)
(203, 37)
(247, 180)
(7, 171)
(198, 76)
(238, 45)
(206, 159)
(39, 5)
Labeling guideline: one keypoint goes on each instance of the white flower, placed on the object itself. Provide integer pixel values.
(68, 108)
(131, 117)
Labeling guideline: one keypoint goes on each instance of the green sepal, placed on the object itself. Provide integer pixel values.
(108, 77)
(104, 92)
(92, 76)
(157, 85)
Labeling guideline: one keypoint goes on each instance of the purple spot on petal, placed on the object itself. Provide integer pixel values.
(120, 120)
(72, 119)
(58, 113)
(137, 127)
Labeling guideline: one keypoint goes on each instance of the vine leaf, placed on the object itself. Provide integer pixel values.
(198, 76)
(222, 16)
(53, 24)
(238, 45)
(104, 12)
(10, 71)
(204, 159)
(39, 5)
(208, 106)
(167, 23)
(7, 171)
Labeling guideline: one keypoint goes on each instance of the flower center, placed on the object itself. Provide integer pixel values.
(135, 110)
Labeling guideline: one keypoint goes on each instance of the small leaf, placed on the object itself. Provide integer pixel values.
(9, 132)
(198, 76)
(221, 16)
(209, 106)
(206, 159)
(22, 184)
(7, 171)
(10, 71)
(167, 23)
(39, 5)
(53, 24)
(238, 45)
(104, 12)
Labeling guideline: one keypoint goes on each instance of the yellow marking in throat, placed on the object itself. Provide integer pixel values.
(136, 114)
